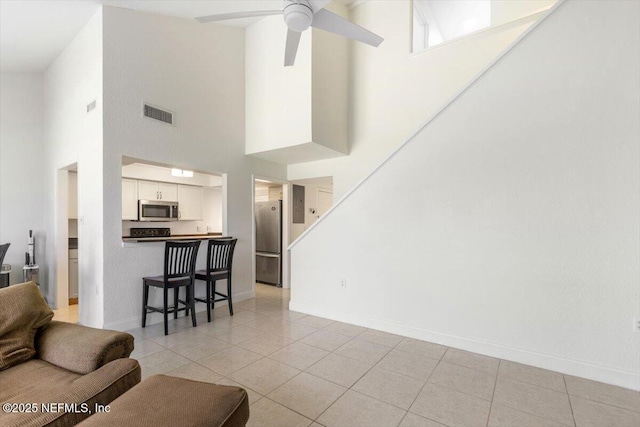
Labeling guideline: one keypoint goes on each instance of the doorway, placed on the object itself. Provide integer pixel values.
(72, 218)
(325, 201)
(271, 212)
(317, 195)
(269, 242)
(67, 257)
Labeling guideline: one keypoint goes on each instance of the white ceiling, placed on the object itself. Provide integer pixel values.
(34, 32)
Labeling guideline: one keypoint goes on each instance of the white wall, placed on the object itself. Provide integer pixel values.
(506, 10)
(512, 217)
(330, 85)
(310, 201)
(212, 209)
(21, 170)
(278, 98)
(163, 174)
(71, 135)
(301, 104)
(196, 71)
(392, 93)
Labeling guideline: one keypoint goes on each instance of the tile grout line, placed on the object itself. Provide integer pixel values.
(465, 366)
(601, 402)
(564, 380)
(356, 381)
(515, 380)
(495, 385)
(530, 413)
(425, 384)
(286, 407)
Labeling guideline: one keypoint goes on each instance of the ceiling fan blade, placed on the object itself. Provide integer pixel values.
(316, 5)
(293, 40)
(328, 21)
(236, 15)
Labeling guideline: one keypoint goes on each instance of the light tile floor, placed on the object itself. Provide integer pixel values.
(307, 371)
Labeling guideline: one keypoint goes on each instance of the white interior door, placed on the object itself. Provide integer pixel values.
(325, 201)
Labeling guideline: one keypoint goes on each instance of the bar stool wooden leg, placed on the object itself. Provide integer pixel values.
(165, 312)
(192, 303)
(145, 302)
(208, 300)
(175, 302)
(213, 294)
(229, 294)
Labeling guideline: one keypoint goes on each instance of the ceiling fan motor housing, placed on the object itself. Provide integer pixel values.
(298, 14)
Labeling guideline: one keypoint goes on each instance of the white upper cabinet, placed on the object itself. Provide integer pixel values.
(151, 190)
(168, 192)
(148, 190)
(130, 199)
(190, 202)
(190, 198)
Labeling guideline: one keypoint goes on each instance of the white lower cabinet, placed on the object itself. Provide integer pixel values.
(129, 199)
(190, 203)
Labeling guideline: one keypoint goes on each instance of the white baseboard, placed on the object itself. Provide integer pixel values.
(153, 318)
(605, 374)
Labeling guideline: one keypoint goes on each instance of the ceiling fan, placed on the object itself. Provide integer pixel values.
(299, 15)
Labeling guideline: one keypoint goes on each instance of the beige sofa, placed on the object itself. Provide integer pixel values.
(74, 367)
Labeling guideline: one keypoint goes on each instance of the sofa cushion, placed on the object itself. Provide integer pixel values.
(39, 382)
(81, 349)
(23, 311)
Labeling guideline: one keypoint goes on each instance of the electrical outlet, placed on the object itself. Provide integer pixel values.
(343, 284)
(636, 324)
(198, 228)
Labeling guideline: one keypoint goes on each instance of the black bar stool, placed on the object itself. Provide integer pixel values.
(179, 271)
(4, 278)
(219, 262)
(3, 251)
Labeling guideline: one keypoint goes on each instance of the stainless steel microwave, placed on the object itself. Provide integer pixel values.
(156, 210)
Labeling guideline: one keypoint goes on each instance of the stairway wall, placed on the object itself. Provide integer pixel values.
(392, 92)
(509, 224)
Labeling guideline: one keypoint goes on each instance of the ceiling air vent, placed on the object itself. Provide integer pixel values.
(158, 114)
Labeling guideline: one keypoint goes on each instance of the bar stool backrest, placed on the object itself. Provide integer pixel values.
(180, 259)
(3, 251)
(220, 255)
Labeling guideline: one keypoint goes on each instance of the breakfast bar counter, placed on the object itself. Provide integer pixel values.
(129, 239)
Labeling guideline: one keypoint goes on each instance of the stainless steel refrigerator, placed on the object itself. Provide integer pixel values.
(269, 242)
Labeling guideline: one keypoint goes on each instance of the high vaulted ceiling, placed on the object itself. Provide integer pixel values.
(34, 32)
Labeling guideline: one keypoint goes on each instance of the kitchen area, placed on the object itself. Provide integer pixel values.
(282, 213)
(158, 203)
(165, 203)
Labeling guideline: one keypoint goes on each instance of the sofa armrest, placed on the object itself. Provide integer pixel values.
(81, 349)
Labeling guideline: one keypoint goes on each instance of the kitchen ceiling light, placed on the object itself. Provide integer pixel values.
(182, 173)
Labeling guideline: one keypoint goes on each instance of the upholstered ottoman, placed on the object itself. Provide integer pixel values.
(161, 400)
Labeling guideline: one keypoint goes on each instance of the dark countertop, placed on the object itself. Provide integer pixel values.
(175, 237)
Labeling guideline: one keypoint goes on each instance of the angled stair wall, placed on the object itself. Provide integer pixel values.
(509, 224)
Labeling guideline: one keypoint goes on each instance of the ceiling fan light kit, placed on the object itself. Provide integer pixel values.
(299, 15)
